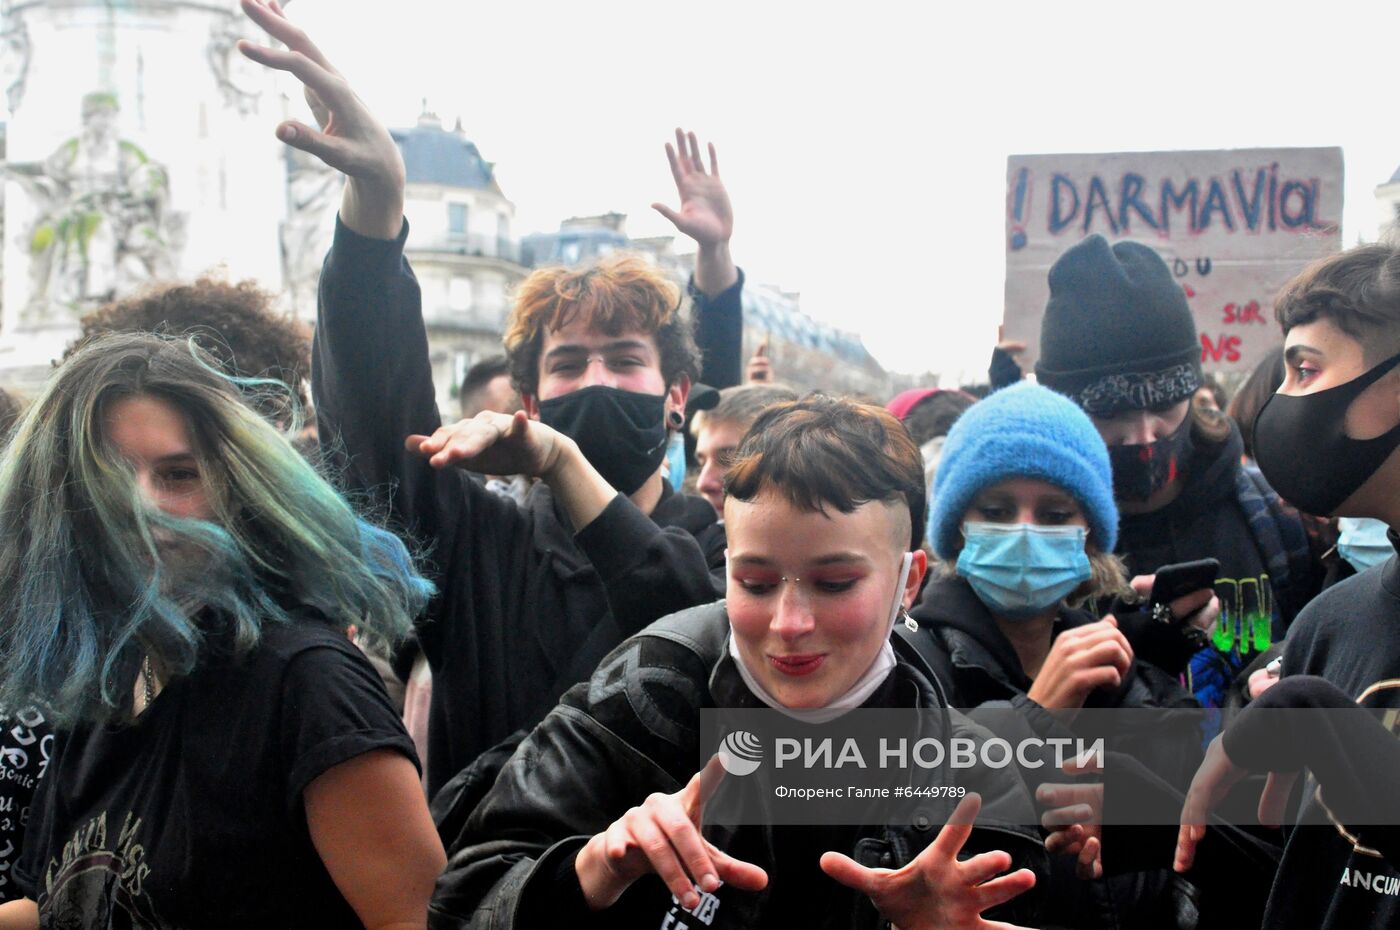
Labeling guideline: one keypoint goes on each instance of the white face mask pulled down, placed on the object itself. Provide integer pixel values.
(859, 692)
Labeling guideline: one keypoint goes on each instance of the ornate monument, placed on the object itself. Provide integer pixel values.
(139, 148)
(102, 223)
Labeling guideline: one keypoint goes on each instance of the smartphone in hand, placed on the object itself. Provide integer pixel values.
(1176, 581)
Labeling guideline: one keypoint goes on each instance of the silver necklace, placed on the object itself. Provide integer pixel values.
(148, 679)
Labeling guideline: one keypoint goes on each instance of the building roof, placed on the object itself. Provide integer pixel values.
(573, 246)
(1395, 178)
(433, 155)
(776, 313)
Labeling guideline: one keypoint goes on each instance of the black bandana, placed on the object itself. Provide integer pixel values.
(1139, 390)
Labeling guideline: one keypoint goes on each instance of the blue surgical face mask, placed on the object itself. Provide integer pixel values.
(1363, 542)
(1021, 570)
(675, 461)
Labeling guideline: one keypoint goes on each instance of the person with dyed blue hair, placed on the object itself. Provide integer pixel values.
(176, 589)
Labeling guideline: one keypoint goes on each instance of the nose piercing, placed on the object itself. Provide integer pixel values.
(785, 578)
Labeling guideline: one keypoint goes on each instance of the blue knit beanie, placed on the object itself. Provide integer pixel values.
(1023, 431)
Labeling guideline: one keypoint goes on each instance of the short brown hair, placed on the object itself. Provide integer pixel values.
(934, 415)
(823, 450)
(619, 293)
(235, 323)
(1357, 290)
(742, 404)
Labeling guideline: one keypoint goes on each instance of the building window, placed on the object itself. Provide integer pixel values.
(457, 219)
(503, 244)
(461, 364)
(459, 293)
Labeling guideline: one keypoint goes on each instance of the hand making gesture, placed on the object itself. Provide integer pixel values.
(1074, 819)
(350, 138)
(937, 891)
(704, 215)
(1214, 779)
(1092, 656)
(663, 836)
(493, 444)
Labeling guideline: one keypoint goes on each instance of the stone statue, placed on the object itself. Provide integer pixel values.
(15, 56)
(103, 222)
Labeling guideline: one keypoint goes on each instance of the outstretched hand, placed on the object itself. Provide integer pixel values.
(349, 138)
(705, 214)
(937, 891)
(1213, 780)
(493, 444)
(663, 836)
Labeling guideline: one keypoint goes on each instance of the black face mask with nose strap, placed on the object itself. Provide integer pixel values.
(621, 433)
(1303, 450)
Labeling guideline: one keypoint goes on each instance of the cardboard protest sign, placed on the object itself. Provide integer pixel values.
(1233, 225)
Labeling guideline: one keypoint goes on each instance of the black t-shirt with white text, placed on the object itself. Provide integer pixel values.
(192, 815)
(26, 743)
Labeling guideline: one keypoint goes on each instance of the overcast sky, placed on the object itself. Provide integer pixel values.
(865, 144)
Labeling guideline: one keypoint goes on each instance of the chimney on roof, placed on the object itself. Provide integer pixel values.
(428, 117)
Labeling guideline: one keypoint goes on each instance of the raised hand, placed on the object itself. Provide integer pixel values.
(493, 444)
(760, 369)
(663, 836)
(350, 138)
(1092, 656)
(936, 891)
(705, 214)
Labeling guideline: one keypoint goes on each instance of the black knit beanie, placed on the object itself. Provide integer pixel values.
(1117, 333)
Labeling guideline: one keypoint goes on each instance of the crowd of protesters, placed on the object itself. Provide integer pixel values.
(282, 646)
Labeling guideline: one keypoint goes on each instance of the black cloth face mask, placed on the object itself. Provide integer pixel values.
(1141, 470)
(1303, 450)
(621, 433)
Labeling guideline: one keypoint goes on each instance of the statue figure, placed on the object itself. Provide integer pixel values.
(103, 222)
(15, 57)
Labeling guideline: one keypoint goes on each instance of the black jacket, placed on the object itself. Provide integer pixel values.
(634, 730)
(525, 607)
(983, 677)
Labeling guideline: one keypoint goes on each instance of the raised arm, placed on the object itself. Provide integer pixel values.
(349, 139)
(371, 374)
(706, 216)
